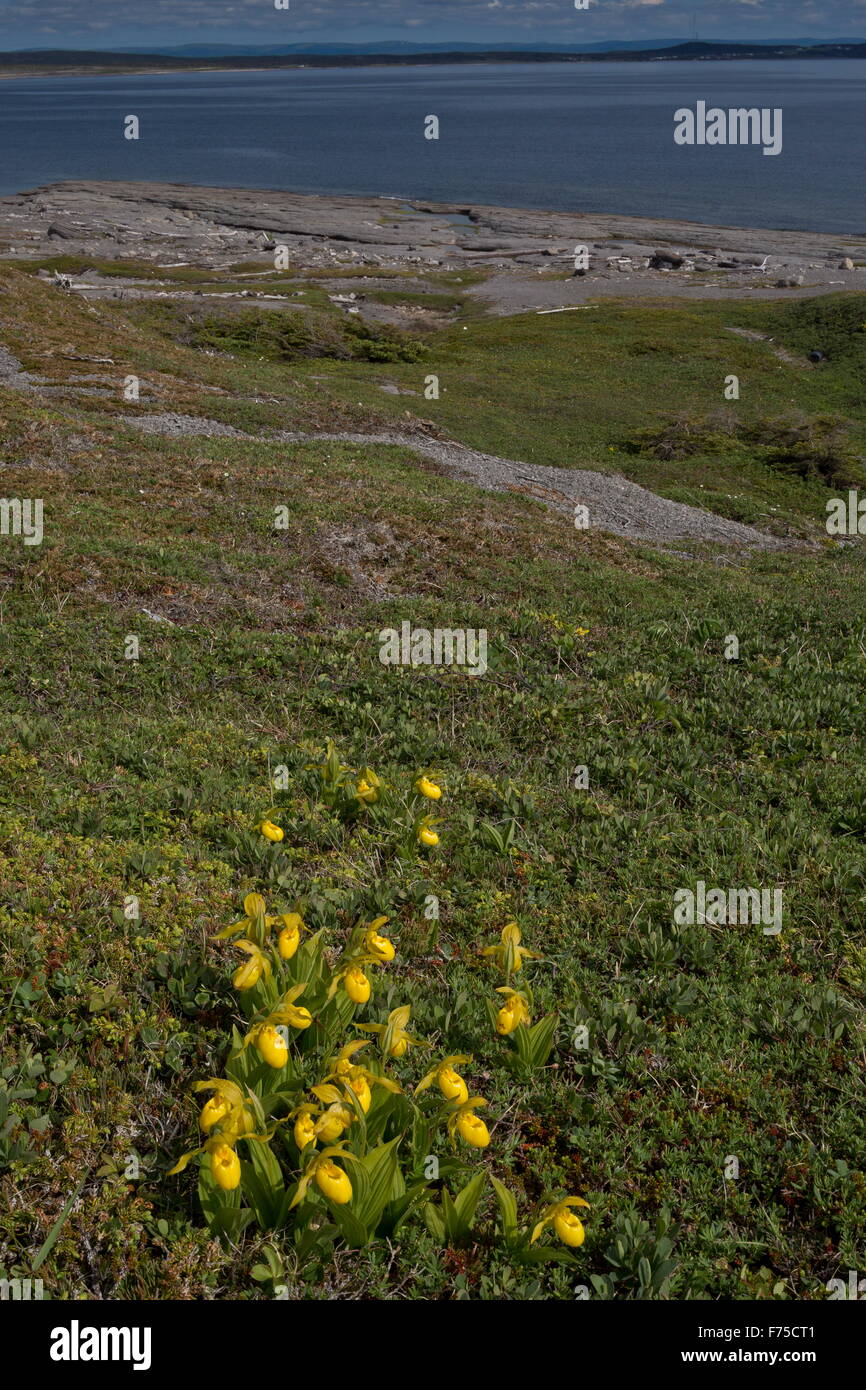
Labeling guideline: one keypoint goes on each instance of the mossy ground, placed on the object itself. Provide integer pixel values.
(134, 777)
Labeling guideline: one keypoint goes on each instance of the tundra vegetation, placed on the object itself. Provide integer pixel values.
(257, 767)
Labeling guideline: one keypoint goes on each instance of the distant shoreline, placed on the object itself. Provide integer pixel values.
(65, 63)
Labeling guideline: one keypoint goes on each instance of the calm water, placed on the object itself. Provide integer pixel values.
(595, 138)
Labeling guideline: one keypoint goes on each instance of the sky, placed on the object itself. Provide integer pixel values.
(111, 23)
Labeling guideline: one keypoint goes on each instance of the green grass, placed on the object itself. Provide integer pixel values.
(124, 777)
(581, 390)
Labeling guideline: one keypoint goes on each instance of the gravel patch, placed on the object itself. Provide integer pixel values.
(12, 374)
(614, 504)
(177, 426)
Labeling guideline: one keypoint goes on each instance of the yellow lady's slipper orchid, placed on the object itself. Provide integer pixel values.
(352, 977)
(509, 954)
(289, 938)
(466, 1123)
(356, 985)
(473, 1130)
(331, 1125)
(361, 1087)
(287, 1012)
(566, 1225)
(368, 786)
(305, 1130)
(286, 1015)
(514, 1012)
(379, 946)
(323, 1123)
(228, 1108)
(569, 1228)
(333, 1182)
(427, 788)
(272, 1046)
(356, 1078)
(239, 1121)
(337, 1115)
(271, 831)
(255, 909)
(342, 1064)
(248, 975)
(393, 1038)
(225, 1167)
(425, 832)
(450, 1083)
(212, 1112)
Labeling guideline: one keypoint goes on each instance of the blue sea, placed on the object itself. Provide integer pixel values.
(572, 137)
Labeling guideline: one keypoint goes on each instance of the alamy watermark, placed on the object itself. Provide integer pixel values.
(728, 907)
(854, 1289)
(421, 646)
(22, 516)
(737, 126)
(846, 517)
(21, 1290)
(77, 1343)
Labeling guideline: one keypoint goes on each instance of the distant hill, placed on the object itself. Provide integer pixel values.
(400, 47)
(222, 56)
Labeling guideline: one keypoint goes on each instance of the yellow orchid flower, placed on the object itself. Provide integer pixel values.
(357, 985)
(361, 1087)
(514, 1011)
(285, 1015)
(289, 938)
(333, 1182)
(393, 1038)
(381, 947)
(368, 786)
(228, 1108)
(567, 1226)
(273, 1047)
(509, 954)
(330, 1179)
(255, 909)
(305, 1131)
(322, 1124)
(443, 1075)
(336, 1115)
(248, 975)
(342, 1064)
(466, 1123)
(425, 787)
(225, 1167)
(332, 1123)
(359, 1079)
(271, 831)
(425, 833)
(352, 969)
(212, 1112)
(238, 1120)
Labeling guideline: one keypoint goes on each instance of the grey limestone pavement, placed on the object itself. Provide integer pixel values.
(517, 249)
